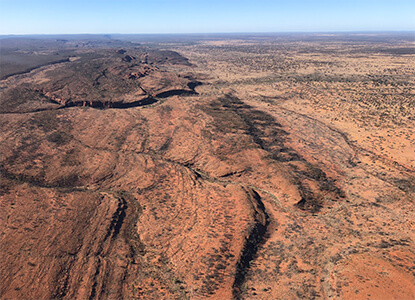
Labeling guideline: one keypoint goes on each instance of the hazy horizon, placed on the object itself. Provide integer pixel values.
(265, 33)
(49, 17)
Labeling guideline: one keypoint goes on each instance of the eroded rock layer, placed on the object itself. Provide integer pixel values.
(129, 172)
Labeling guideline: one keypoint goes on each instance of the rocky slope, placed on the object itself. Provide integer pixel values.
(132, 173)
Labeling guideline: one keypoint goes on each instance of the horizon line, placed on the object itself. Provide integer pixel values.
(217, 33)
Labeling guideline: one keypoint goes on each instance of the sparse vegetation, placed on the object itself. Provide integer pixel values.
(274, 167)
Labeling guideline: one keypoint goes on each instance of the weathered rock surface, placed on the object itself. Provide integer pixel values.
(101, 79)
(124, 177)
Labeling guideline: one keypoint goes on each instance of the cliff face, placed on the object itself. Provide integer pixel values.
(131, 173)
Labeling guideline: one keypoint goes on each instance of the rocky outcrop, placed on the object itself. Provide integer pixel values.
(211, 192)
(100, 81)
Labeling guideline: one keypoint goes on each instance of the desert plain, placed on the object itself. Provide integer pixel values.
(262, 166)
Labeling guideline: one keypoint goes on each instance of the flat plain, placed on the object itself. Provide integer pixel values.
(266, 166)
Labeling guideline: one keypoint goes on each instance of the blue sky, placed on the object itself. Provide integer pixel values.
(197, 16)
